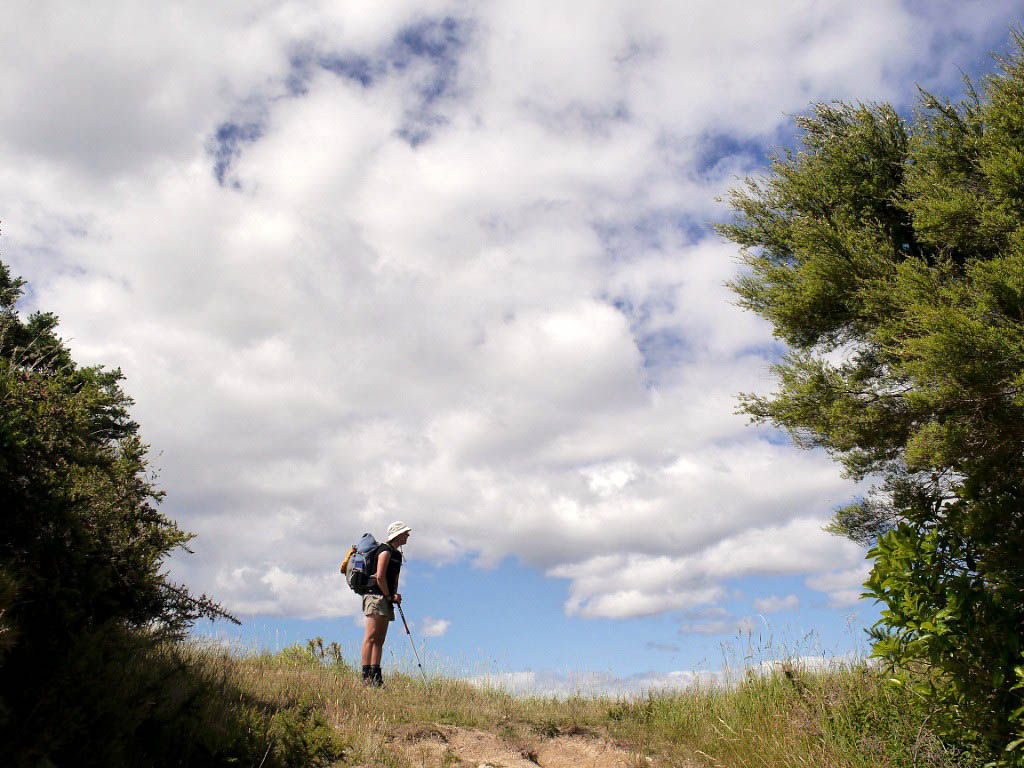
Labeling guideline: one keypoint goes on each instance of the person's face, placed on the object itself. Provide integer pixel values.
(400, 539)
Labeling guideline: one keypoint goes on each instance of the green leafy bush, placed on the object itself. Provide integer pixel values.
(952, 639)
(84, 601)
(302, 738)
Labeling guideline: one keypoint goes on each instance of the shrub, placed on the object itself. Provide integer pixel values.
(83, 593)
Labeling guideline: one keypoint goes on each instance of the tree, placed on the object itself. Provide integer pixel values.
(888, 254)
(82, 543)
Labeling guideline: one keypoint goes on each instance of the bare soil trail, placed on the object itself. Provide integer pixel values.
(455, 747)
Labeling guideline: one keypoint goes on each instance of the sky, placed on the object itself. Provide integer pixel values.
(453, 263)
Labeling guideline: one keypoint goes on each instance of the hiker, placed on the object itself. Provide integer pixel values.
(379, 600)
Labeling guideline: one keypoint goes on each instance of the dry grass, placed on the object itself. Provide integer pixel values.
(785, 717)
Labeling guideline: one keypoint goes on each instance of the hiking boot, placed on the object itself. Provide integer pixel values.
(376, 680)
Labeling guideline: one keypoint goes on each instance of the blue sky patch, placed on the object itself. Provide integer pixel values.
(226, 146)
(438, 44)
(360, 69)
(427, 52)
(527, 628)
(715, 148)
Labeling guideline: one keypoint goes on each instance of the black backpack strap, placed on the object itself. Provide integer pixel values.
(371, 566)
(375, 555)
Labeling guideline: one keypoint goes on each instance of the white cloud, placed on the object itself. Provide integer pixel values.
(435, 627)
(546, 682)
(512, 333)
(623, 585)
(727, 626)
(274, 591)
(775, 603)
(843, 587)
(562, 685)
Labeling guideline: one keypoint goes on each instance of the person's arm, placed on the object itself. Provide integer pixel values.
(382, 573)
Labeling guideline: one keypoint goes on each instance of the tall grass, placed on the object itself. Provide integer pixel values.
(197, 704)
(779, 715)
(788, 716)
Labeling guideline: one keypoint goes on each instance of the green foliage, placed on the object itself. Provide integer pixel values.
(126, 699)
(314, 653)
(82, 543)
(8, 635)
(889, 256)
(302, 738)
(91, 672)
(956, 636)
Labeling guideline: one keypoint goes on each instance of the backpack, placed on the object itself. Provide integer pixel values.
(360, 566)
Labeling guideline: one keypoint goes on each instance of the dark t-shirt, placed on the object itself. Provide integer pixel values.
(394, 566)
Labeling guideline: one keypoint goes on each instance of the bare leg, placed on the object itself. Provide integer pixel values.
(373, 640)
(378, 646)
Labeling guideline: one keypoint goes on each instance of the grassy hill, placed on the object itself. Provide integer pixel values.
(305, 706)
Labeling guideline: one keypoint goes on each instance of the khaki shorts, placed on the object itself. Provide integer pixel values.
(376, 605)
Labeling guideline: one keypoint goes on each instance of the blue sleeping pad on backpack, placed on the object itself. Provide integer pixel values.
(362, 566)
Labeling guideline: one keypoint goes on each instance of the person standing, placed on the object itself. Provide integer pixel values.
(379, 602)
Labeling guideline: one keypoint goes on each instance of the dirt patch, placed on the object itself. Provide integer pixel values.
(421, 733)
(451, 746)
(565, 751)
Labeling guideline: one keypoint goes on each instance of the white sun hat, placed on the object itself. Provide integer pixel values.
(397, 528)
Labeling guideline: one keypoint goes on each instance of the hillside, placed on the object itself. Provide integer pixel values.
(320, 715)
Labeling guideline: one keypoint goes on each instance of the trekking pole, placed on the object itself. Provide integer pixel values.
(406, 624)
